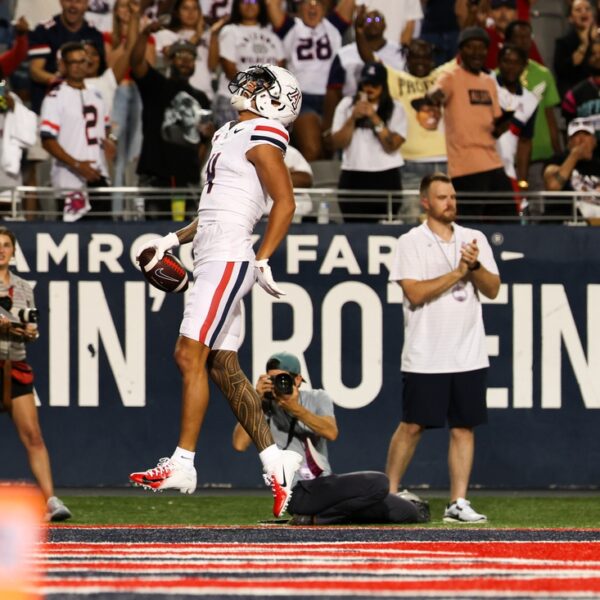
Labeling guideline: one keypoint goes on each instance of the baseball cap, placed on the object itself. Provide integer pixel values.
(473, 33)
(580, 125)
(285, 362)
(507, 3)
(374, 73)
(418, 103)
(182, 46)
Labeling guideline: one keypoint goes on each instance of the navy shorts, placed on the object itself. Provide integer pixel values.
(312, 103)
(434, 399)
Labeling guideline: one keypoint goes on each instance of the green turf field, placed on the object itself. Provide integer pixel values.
(174, 509)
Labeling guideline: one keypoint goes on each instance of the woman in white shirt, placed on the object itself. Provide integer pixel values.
(247, 40)
(369, 128)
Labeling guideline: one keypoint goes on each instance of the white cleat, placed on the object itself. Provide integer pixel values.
(279, 475)
(168, 474)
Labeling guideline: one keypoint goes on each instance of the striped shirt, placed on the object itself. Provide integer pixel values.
(22, 297)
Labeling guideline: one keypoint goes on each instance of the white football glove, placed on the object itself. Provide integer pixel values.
(161, 245)
(264, 277)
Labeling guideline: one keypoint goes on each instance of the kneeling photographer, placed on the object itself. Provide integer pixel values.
(304, 421)
(18, 326)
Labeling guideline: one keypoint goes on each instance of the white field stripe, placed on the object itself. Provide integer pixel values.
(161, 558)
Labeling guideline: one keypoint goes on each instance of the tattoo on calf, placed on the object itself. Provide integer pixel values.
(225, 371)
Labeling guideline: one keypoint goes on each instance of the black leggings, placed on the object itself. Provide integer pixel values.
(366, 207)
(361, 497)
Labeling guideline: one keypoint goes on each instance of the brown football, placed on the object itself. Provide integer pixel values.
(167, 274)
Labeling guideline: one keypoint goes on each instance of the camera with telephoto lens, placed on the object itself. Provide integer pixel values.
(283, 384)
(25, 315)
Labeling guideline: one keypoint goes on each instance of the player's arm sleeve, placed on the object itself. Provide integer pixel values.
(486, 256)
(405, 262)
(50, 117)
(271, 133)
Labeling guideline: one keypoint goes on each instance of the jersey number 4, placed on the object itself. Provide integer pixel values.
(211, 171)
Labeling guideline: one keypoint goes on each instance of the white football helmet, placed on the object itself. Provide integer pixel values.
(275, 91)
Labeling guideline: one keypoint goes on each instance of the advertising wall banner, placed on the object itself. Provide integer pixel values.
(109, 390)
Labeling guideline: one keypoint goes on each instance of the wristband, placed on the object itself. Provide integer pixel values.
(378, 128)
(476, 265)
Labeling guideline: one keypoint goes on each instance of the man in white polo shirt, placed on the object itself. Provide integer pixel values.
(442, 269)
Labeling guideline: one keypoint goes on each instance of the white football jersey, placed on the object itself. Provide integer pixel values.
(247, 45)
(310, 51)
(77, 119)
(524, 106)
(233, 198)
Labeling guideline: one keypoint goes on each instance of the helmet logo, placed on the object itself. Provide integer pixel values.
(294, 98)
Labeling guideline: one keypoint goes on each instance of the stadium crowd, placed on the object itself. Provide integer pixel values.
(99, 93)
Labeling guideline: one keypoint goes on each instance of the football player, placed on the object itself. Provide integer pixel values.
(246, 165)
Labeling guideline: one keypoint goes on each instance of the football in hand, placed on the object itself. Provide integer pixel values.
(167, 274)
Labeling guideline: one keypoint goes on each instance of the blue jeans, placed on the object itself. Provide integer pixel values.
(127, 116)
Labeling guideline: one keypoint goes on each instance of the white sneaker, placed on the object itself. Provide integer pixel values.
(57, 511)
(279, 475)
(168, 474)
(462, 512)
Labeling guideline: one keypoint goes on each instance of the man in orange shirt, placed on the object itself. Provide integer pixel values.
(473, 120)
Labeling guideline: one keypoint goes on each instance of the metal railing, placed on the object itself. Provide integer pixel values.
(321, 205)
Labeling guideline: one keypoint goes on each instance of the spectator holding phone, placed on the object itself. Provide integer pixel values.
(369, 128)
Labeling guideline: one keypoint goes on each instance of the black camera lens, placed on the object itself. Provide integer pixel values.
(28, 315)
(283, 384)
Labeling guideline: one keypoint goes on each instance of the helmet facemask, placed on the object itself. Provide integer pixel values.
(261, 84)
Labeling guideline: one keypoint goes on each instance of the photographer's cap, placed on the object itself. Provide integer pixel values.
(285, 362)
